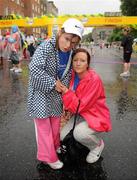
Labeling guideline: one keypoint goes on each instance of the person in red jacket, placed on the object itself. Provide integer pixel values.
(94, 115)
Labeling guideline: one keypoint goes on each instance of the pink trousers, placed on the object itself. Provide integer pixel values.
(48, 138)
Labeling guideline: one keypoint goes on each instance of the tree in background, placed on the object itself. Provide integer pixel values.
(129, 7)
(116, 35)
(87, 37)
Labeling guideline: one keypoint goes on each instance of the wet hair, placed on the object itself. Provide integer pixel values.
(57, 38)
(125, 30)
(62, 30)
(83, 51)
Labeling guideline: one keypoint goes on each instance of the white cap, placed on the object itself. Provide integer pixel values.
(73, 26)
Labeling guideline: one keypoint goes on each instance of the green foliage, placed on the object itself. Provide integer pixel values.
(134, 26)
(87, 37)
(129, 7)
(134, 33)
(116, 35)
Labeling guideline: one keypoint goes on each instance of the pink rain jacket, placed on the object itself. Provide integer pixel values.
(16, 45)
(92, 98)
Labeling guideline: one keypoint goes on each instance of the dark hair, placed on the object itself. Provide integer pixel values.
(84, 51)
(57, 37)
(126, 30)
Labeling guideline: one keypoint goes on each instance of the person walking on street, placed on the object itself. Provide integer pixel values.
(94, 116)
(92, 47)
(127, 43)
(51, 65)
(15, 43)
(31, 44)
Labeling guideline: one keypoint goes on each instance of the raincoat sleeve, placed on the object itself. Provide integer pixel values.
(39, 78)
(87, 93)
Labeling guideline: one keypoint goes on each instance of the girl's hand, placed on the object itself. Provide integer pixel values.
(58, 86)
(61, 87)
(67, 115)
(64, 89)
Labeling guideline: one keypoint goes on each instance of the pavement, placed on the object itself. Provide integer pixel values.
(18, 145)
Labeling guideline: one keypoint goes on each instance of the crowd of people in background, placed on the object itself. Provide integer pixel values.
(23, 44)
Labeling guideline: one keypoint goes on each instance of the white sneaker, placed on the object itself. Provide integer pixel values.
(125, 74)
(95, 154)
(18, 70)
(56, 165)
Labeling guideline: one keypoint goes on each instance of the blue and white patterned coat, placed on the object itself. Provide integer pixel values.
(43, 100)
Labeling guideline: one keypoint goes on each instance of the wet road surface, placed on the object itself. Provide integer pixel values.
(17, 137)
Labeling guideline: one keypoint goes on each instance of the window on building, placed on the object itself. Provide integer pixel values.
(12, 12)
(6, 11)
(22, 4)
(18, 1)
(36, 8)
(33, 6)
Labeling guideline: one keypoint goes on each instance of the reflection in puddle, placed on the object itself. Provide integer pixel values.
(123, 99)
(10, 93)
(80, 171)
(125, 102)
(16, 85)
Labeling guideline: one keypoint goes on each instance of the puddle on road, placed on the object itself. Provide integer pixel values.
(126, 101)
(12, 91)
(80, 171)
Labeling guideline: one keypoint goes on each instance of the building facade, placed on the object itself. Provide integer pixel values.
(101, 34)
(28, 8)
(51, 8)
(8, 7)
